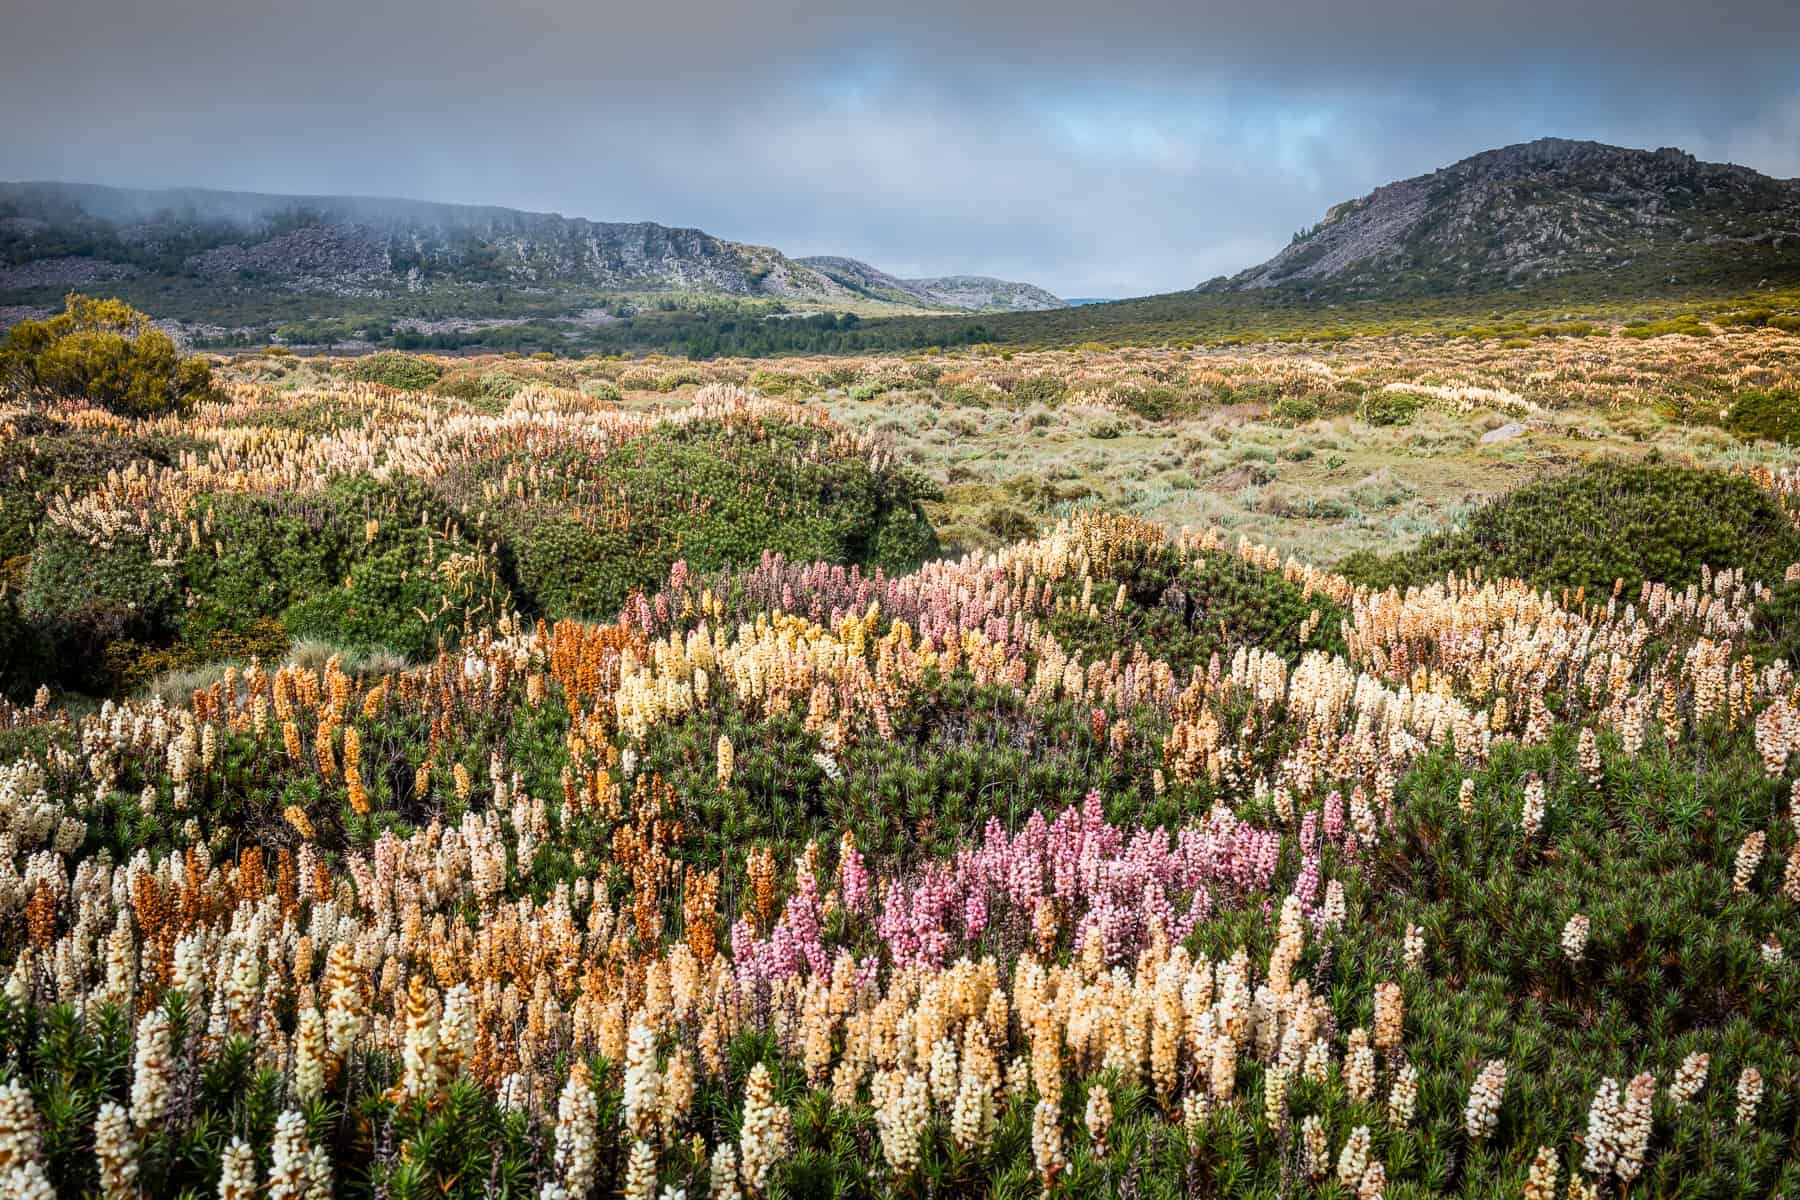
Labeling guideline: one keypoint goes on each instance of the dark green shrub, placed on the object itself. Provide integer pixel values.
(82, 598)
(397, 369)
(1770, 416)
(1687, 325)
(715, 494)
(1775, 624)
(1295, 409)
(775, 383)
(365, 564)
(1157, 401)
(104, 352)
(1185, 611)
(1390, 408)
(1047, 390)
(1607, 521)
(24, 658)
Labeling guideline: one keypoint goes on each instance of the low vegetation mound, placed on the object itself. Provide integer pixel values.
(1769, 415)
(105, 353)
(713, 493)
(803, 880)
(397, 369)
(381, 523)
(1191, 607)
(1605, 523)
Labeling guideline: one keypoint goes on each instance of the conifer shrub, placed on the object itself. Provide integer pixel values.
(397, 369)
(1390, 408)
(1191, 608)
(1766, 415)
(1604, 522)
(82, 598)
(364, 563)
(714, 494)
(1157, 401)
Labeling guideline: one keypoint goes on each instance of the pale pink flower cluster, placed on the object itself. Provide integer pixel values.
(1116, 885)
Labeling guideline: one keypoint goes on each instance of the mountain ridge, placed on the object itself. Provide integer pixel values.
(70, 233)
(1536, 211)
(967, 293)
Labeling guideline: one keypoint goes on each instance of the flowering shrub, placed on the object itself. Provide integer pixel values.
(376, 519)
(1112, 862)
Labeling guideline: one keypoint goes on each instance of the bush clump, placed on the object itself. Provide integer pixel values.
(397, 369)
(1156, 401)
(1608, 521)
(715, 494)
(1767, 416)
(365, 564)
(104, 352)
(1189, 608)
(1390, 408)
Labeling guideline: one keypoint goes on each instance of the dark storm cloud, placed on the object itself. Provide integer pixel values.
(1095, 148)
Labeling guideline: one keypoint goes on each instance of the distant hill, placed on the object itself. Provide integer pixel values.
(72, 235)
(962, 293)
(1540, 211)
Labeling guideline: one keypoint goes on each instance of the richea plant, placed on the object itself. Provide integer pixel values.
(694, 836)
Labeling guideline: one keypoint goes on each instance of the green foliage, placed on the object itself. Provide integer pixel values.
(104, 352)
(1766, 415)
(1775, 632)
(1605, 522)
(1157, 402)
(493, 384)
(1686, 325)
(130, 665)
(1047, 390)
(601, 389)
(1294, 409)
(397, 369)
(715, 494)
(83, 598)
(24, 657)
(1189, 609)
(1389, 408)
(45, 457)
(365, 564)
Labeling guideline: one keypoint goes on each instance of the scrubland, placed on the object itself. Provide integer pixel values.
(1363, 444)
(910, 776)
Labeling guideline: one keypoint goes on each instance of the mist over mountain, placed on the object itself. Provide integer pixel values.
(61, 234)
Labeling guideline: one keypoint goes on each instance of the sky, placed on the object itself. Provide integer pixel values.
(1113, 149)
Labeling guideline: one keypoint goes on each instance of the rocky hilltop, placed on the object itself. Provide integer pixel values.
(966, 293)
(1540, 210)
(349, 245)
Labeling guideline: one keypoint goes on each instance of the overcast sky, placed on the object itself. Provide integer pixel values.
(1102, 149)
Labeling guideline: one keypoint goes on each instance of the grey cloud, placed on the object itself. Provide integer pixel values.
(1096, 149)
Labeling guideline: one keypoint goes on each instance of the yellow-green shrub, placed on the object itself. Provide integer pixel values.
(105, 352)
